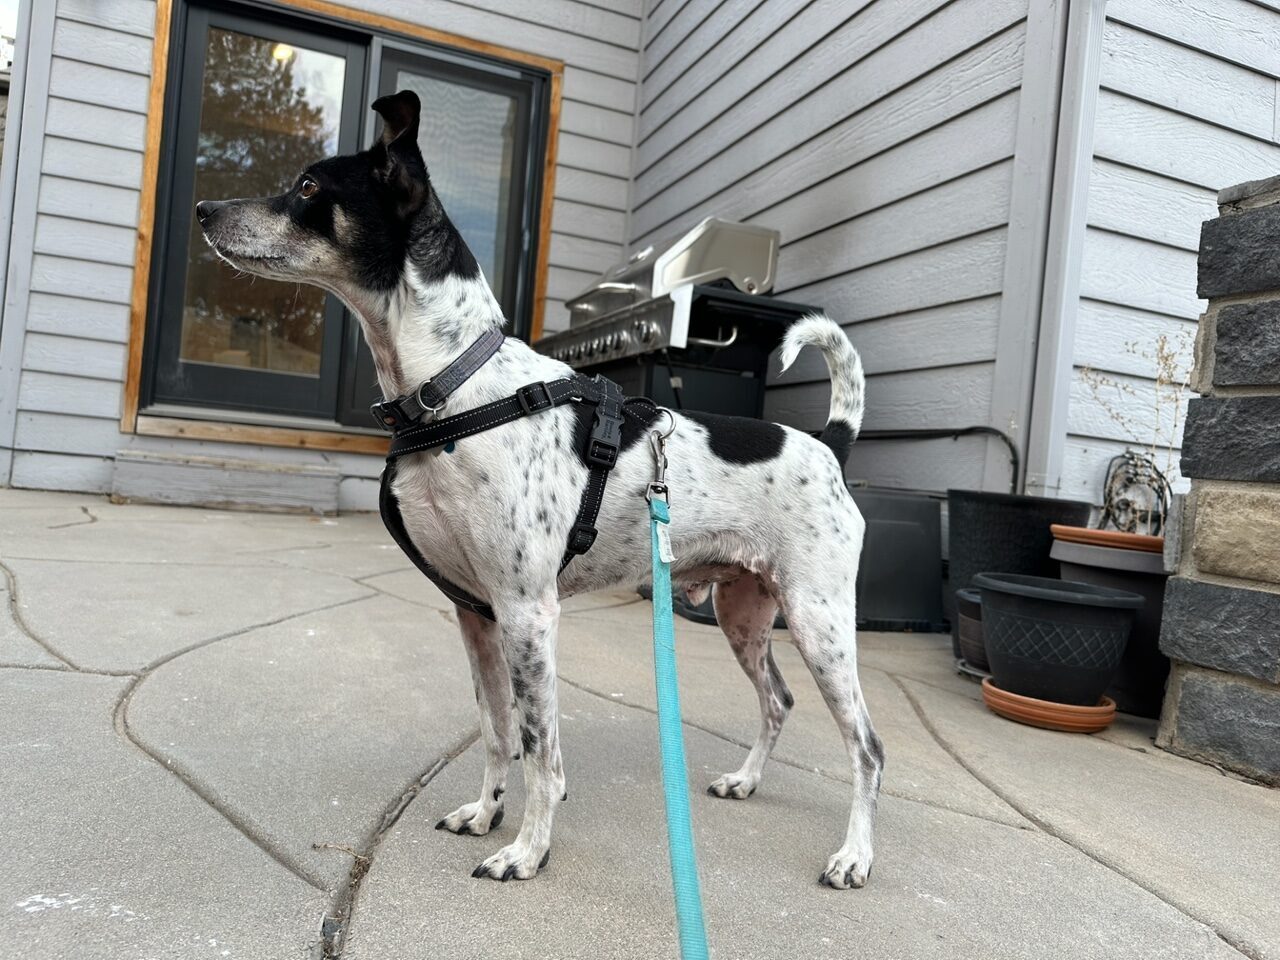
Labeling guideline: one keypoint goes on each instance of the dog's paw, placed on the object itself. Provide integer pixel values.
(473, 819)
(847, 870)
(516, 862)
(734, 786)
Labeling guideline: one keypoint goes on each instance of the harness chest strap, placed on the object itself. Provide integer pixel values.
(601, 453)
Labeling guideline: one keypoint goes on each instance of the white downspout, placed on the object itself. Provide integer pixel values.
(1047, 429)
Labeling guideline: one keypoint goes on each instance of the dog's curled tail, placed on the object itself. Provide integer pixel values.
(848, 384)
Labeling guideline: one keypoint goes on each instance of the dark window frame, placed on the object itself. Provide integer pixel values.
(343, 376)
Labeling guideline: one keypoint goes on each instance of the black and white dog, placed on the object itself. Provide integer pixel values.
(763, 515)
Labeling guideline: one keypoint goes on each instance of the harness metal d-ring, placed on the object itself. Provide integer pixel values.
(672, 429)
(426, 407)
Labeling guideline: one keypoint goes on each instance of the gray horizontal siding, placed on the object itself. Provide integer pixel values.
(804, 100)
(85, 231)
(878, 139)
(1187, 104)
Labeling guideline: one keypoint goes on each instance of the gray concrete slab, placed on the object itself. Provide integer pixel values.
(412, 586)
(609, 651)
(1201, 840)
(357, 560)
(106, 854)
(945, 885)
(306, 730)
(327, 689)
(124, 616)
(17, 649)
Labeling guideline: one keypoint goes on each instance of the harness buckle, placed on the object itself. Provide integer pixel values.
(530, 401)
(389, 415)
(606, 429)
(581, 537)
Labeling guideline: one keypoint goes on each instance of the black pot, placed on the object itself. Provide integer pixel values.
(1054, 640)
(968, 629)
(1002, 531)
(1138, 687)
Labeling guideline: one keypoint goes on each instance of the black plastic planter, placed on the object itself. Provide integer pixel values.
(968, 629)
(1054, 640)
(1002, 531)
(1138, 687)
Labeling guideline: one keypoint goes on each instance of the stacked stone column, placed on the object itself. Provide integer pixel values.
(1222, 609)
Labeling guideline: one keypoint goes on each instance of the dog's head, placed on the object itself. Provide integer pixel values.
(348, 223)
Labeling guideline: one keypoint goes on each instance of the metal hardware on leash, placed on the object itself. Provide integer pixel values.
(658, 443)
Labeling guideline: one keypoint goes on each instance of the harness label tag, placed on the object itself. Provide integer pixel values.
(665, 553)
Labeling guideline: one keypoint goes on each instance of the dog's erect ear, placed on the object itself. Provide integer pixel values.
(401, 167)
(399, 113)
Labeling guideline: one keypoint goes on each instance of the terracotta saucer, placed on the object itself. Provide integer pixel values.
(1044, 713)
(1107, 538)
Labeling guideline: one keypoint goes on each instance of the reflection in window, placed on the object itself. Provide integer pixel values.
(267, 110)
(467, 136)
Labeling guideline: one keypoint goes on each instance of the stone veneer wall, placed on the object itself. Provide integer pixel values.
(1222, 609)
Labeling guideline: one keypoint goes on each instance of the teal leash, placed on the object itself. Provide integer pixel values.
(675, 778)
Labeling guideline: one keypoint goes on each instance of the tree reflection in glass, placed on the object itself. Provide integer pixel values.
(267, 110)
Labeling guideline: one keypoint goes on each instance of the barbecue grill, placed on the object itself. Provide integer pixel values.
(689, 322)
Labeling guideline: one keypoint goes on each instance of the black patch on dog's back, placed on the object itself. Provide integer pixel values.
(740, 440)
(839, 436)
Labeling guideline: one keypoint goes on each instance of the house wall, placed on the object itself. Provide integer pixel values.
(76, 213)
(1188, 102)
(879, 138)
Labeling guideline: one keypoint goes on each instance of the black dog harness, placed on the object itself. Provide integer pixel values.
(403, 416)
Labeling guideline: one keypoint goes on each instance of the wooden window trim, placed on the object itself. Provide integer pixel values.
(131, 421)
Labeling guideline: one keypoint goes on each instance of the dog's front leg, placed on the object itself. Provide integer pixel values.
(529, 641)
(493, 696)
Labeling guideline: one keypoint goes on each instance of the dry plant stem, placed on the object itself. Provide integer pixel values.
(1171, 358)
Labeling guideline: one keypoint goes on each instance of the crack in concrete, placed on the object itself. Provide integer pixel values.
(56, 669)
(120, 718)
(1050, 830)
(11, 583)
(76, 523)
(336, 923)
(788, 763)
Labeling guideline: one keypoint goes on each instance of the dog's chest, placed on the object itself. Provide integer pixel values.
(430, 507)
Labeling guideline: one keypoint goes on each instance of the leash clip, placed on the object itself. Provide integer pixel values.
(658, 441)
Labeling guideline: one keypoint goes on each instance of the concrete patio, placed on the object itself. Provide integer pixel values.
(230, 735)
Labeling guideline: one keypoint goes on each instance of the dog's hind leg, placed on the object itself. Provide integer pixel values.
(822, 626)
(529, 641)
(493, 696)
(745, 611)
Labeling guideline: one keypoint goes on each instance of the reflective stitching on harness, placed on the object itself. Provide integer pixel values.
(460, 433)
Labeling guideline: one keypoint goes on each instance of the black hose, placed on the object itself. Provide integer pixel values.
(1015, 462)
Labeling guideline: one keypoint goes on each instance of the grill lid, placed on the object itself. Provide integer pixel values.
(743, 254)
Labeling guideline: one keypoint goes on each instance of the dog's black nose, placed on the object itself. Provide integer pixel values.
(206, 209)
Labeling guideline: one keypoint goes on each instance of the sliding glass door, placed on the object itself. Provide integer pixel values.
(256, 95)
(259, 101)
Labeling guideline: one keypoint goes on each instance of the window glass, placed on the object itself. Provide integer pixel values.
(468, 138)
(267, 110)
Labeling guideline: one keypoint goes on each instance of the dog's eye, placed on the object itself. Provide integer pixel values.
(308, 189)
